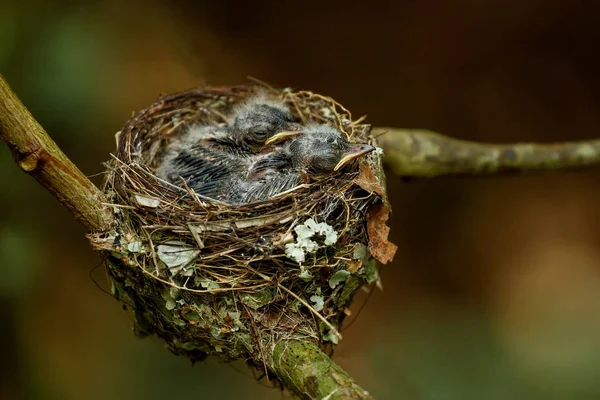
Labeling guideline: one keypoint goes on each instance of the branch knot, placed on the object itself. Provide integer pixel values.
(31, 160)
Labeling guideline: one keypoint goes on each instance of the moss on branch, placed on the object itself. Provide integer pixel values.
(425, 154)
(310, 373)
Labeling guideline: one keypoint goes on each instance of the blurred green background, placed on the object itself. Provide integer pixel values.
(495, 289)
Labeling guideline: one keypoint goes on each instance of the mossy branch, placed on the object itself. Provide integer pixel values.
(425, 154)
(37, 154)
(311, 374)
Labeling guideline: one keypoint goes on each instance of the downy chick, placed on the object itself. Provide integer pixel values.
(209, 158)
(321, 150)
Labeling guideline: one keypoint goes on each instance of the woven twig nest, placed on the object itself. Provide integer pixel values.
(209, 278)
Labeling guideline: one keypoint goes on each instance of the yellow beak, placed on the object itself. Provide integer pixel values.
(281, 136)
(356, 150)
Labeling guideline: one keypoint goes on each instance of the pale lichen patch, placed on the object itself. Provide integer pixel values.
(304, 243)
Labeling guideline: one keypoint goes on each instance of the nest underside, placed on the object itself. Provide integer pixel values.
(209, 278)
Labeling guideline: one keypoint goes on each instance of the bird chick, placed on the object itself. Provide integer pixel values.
(209, 158)
(202, 157)
(261, 121)
(321, 150)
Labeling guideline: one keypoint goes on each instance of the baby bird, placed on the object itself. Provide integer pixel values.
(320, 150)
(210, 157)
(262, 121)
(323, 149)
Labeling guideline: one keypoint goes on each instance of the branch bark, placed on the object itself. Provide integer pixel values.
(311, 374)
(37, 154)
(425, 154)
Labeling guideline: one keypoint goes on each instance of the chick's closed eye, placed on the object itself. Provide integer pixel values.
(259, 132)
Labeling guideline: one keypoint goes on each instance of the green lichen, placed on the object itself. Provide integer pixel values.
(316, 379)
(257, 299)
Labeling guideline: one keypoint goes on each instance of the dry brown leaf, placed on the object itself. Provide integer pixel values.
(369, 182)
(379, 246)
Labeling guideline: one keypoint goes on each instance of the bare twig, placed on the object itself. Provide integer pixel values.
(37, 154)
(425, 154)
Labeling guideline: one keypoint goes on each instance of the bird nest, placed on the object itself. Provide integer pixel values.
(209, 278)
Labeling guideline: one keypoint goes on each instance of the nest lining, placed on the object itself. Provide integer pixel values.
(209, 278)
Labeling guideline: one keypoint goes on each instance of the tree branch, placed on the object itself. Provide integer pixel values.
(311, 374)
(37, 154)
(425, 154)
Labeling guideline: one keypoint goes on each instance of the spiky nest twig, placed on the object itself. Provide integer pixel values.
(213, 279)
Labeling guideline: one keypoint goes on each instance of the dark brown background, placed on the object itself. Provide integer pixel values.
(495, 290)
